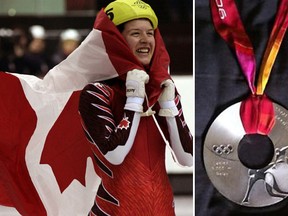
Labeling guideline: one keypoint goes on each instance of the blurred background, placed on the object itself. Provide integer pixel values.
(54, 16)
(35, 35)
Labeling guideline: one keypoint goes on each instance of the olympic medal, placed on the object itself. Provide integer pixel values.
(248, 169)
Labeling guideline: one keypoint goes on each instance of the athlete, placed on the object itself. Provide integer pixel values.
(130, 118)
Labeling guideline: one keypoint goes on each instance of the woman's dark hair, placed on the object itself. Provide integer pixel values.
(121, 27)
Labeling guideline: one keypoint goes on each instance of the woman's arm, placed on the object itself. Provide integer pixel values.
(180, 137)
(114, 140)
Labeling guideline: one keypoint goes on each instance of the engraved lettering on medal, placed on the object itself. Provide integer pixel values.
(281, 117)
(221, 10)
(221, 168)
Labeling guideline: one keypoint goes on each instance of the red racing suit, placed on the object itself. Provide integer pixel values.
(129, 152)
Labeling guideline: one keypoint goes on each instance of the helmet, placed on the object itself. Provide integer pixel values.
(121, 11)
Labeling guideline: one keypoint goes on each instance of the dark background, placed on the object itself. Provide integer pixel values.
(220, 83)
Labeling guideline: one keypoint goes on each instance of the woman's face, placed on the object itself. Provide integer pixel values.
(139, 35)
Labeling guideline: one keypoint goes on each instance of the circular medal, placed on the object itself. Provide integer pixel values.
(248, 169)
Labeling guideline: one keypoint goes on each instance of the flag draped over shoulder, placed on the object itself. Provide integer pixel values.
(45, 160)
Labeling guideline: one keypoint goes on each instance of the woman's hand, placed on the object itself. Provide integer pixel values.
(166, 99)
(135, 90)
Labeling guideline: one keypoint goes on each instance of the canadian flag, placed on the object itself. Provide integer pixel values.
(46, 165)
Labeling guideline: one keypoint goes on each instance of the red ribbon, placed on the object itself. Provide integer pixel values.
(257, 115)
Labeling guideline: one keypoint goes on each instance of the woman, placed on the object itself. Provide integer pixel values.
(128, 119)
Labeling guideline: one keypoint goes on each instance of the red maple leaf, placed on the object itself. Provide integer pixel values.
(124, 123)
(66, 148)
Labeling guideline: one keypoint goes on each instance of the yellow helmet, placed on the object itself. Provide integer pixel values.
(121, 11)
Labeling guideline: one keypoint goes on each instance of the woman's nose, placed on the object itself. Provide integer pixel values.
(144, 38)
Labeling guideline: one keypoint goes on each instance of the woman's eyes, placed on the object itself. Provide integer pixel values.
(150, 33)
(136, 34)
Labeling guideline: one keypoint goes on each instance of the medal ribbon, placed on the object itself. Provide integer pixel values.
(228, 24)
(256, 112)
(273, 47)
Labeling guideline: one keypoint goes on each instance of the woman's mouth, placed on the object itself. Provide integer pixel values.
(143, 50)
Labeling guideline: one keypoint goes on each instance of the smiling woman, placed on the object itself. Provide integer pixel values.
(131, 159)
(139, 35)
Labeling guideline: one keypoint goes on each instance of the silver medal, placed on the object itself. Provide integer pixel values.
(253, 187)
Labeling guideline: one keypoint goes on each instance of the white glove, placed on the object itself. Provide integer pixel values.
(166, 99)
(135, 89)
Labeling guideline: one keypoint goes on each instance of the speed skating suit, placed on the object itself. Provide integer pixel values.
(130, 152)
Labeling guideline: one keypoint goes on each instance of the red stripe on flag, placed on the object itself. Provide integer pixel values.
(17, 124)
